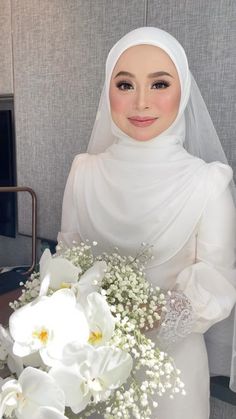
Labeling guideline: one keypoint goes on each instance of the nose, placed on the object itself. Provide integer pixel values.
(142, 99)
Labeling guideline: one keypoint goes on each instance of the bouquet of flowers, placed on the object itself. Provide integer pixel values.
(77, 344)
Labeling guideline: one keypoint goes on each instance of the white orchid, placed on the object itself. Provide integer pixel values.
(48, 413)
(13, 362)
(34, 395)
(47, 325)
(56, 272)
(100, 319)
(89, 374)
(90, 281)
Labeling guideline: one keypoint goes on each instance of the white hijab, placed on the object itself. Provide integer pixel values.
(128, 191)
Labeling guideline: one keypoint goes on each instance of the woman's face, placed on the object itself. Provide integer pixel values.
(144, 92)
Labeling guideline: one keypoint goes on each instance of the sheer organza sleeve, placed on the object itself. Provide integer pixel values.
(205, 293)
(69, 225)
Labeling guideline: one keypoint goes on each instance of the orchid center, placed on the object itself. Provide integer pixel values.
(21, 401)
(65, 285)
(42, 335)
(95, 337)
(94, 385)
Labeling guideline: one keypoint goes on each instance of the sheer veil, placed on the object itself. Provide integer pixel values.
(201, 140)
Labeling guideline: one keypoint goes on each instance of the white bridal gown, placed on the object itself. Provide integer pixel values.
(202, 269)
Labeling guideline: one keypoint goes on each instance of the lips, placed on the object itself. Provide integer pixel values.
(142, 121)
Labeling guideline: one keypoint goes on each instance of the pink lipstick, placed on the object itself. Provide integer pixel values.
(142, 121)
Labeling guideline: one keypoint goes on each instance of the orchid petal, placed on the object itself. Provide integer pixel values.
(48, 413)
(95, 273)
(115, 366)
(112, 365)
(62, 271)
(56, 272)
(24, 322)
(14, 362)
(100, 319)
(69, 379)
(41, 389)
(44, 287)
(44, 263)
(47, 325)
(33, 395)
(92, 374)
(91, 280)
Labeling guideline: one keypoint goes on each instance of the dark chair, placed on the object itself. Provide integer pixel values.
(10, 281)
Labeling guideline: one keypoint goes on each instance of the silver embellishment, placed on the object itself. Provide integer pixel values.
(178, 320)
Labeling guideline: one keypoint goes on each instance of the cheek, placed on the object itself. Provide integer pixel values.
(119, 103)
(168, 103)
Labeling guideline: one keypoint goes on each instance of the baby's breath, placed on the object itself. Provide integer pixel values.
(80, 255)
(30, 290)
(128, 291)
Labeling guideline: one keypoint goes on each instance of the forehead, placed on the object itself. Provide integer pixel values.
(147, 58)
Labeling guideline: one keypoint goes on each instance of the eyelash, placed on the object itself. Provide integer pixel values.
(120, 85)
(129, 86)
(162, 83)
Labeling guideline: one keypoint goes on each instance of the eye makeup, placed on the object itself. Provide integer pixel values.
(161, 84)
(158, 85)
(124, 85)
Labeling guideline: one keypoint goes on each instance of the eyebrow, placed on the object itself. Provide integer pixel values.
(150, 76)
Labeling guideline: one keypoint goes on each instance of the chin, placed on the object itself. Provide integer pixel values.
(142, 139)
(143, 136)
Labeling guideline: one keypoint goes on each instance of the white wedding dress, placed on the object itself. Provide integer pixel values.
(203, 269)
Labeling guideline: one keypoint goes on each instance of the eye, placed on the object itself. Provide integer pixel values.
(124, 85)
(161, 84)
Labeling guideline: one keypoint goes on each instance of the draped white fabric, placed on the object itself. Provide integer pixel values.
(149, 200)
(155, 191)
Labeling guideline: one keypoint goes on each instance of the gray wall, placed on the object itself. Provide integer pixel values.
(6, 68)
(59, 51)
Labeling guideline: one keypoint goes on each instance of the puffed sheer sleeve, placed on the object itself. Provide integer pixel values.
(209, 284)
(69, 224)
(205, 292)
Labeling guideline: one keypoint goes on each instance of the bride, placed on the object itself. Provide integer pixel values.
(138, 183)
